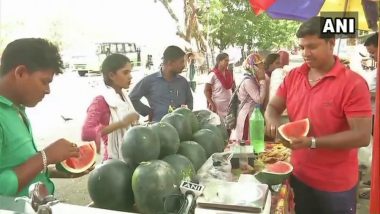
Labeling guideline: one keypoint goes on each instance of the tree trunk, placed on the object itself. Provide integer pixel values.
(192, 27)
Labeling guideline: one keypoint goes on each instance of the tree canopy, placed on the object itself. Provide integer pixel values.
(232, 23)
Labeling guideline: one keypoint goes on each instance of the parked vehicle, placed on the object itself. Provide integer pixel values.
(89, 62)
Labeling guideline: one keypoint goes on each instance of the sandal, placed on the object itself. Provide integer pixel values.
(365, 194)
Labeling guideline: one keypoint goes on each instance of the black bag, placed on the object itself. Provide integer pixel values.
(233, 108)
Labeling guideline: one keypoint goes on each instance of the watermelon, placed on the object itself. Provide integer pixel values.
(208, 140)
(224, 132)
(221, 141)
(110, 185)
(180, 123)
(299, 128)
(87, 157)
(190, 117)
(168, 136)
(206, 116)
(140, 144)
(182, 165)
(274, 174)
(194, 152)
(152, 182)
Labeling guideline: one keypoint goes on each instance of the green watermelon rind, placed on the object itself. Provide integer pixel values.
(194, 152)
(164, 131)
(208, 140)
(189, 115)
(63, 167)
(284, 126)
(181, 124)
(187, 172)
(151, 182)
(109, 186)
(274, 178)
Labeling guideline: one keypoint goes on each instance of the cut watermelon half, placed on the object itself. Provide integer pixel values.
(276, 173)
(299, 128)
(87, 157)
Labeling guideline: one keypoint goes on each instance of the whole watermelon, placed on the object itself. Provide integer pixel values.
(190, 116)
(208, 140)
(110, 186)
(169, 139)
(207, 117)
(179, 122)
(182, 165)
(152, 182)
(194, 152)
(221, 141)
(140, 144)
(224, 132)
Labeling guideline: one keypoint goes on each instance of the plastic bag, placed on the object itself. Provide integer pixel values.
(218, 166)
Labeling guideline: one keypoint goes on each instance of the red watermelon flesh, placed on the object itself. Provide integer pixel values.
(279, 167)
(87, 156)
(299, 128)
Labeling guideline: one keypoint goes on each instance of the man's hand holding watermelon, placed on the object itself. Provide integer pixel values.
(298, 143)
(61, 150)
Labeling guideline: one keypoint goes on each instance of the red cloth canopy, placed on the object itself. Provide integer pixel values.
(259, 6)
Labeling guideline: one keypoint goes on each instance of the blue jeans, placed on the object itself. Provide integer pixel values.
(311, 201)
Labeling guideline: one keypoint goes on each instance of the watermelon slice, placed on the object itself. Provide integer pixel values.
(299, 128)
(274, 174)
(87, 157)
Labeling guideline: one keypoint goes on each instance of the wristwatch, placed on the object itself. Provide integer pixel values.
(313, 144)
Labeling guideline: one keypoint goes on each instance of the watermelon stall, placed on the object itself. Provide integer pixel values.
(147, 183)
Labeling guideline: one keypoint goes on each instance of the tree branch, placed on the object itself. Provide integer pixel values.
(169, 9)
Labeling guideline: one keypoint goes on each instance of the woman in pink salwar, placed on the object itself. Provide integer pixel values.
(219, 86)
(111, 113)
(252, 91)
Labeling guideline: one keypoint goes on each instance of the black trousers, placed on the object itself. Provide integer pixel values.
(311, 201)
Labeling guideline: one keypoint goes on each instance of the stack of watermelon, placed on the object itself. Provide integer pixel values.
(156, 158)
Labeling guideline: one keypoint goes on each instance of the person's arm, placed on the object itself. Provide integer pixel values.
(357, 108)
(257, 96)
(357, 136)
(14, 180)
(140, 90)
(189, 96)
(93, 129)
(92, 126)
(272, 115)
(208, 92)
(275, 107)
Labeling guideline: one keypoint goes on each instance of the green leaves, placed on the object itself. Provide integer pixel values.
(234, 23)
